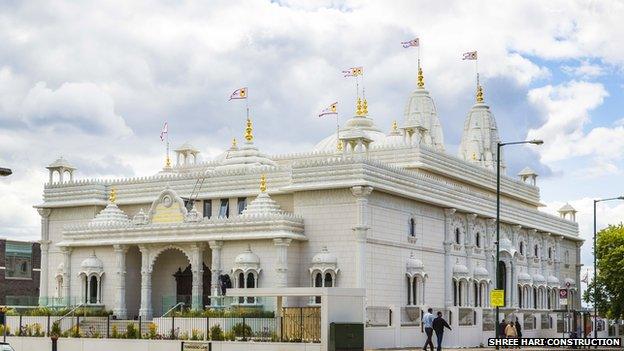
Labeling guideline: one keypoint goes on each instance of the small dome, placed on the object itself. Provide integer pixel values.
(247, 156)
(247, 258)
(186, 147)
(567, 208)
(524, 277)
(460, 268)
(92, 263)
(538, 278)
(570, 281)
(481, 272)
(325, 257)
(552, 280)
(413, 263)
(110, 216)
(60, 162)
(527, 172)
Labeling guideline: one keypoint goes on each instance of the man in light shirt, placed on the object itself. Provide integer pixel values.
(428, 324)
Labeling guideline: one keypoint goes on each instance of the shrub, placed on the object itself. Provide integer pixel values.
(131, 332)
(229, 336)
(56, 329)
(197, 335)
(151, 331)
(242, 330)
(216, 333)
(8, 330)
(37, 330)
(183, 336)
(75, 332)
(114, 332)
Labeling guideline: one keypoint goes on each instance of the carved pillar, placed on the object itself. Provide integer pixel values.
(197, 268)
(44, 279)
(509, 287)
(448, 259)
(515, 233)
(145, 310)
(490, 250)
(360, 230)
(578, 264)
(215, 268)
(67, 274)
(470, 244)
(281, 266)
(558, 263)
(120, 290)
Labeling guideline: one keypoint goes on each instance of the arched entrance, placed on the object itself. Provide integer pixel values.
(172, 280)
(501, 279)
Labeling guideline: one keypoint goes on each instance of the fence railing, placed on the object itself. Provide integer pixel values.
(295, 325)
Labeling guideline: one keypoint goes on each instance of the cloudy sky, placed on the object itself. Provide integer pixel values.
(94, 81)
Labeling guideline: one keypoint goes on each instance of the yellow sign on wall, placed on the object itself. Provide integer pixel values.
(497, 298)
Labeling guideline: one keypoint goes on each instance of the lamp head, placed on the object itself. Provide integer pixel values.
(620, 197)
(537, 141)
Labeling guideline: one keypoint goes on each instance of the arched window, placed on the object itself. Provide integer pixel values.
(455, 292)
(536, 251)
(460, 293)
(550, 253)
(548, 296)
(251, 283)
(93, 290)
(476, 294)
(241, 285)
(409, 289)
(522, 248)
(567, 257)
(520, 296)
(415, 290)
(329, 280)
(478, 239)
(535, 298)
(318, 283)
(412, 227)
(457, 236)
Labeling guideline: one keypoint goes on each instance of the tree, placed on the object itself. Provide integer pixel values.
(610, 280)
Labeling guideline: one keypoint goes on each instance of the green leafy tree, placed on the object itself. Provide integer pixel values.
(610, 282)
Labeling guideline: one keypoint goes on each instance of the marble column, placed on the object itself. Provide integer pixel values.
(448, 258)
(281, 267)
(197, 268)
(490, 250)
(470, 241)
(145, 311)
(44, 279)
(360, 230)
(66, 275)
(215, 269)
(120, 309)
(509, 287)
(577, 296)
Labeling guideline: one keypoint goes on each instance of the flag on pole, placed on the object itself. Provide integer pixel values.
(470, 55)
(164, 131)
(331, 110)
(239, 94)
(353, 72)
(413, 42)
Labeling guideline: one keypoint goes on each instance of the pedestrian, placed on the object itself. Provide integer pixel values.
(510, 330)
(501, 328)
(438, 325)
(428, 324)
(518, 331)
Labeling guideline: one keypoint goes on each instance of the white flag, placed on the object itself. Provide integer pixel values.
(164, 131)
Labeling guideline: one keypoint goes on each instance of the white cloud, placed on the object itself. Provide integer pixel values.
(566, 110)
(584, 70)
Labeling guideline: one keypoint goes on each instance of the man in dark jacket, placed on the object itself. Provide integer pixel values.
(518, 329)
(438, 326)
(501, 329)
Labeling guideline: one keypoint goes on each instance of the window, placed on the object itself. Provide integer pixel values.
(567, 258)
(412, 227)
(242, 204)
(18, 260)
(247, 280)
(224, 209)
(318, 283)
(520, 296)
(476, 294)
(251, 283)
(550, 253)
(536, 251)
(535, 298)
(409, 289)
(207, 208)
(329, 280)
(91, 289)
(415, 290)
(457, 236)
(522, 248)
(478, 239)
(455, 292)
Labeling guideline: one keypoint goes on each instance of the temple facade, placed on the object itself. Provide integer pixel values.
(390, 212)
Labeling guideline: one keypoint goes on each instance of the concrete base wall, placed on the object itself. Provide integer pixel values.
(68, 344)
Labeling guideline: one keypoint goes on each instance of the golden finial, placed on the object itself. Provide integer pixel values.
(421, 78)
(263, 186)
(395, 126)
(249, 131)
(234, 145)
(365, 107)
(339, 145)
(167, 162)
(358, 107)
(479, 94)
(474, 156)
(112, 197)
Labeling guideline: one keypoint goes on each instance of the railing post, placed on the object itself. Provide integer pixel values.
(140, 329)
(281, 319)
(48, 327)
(207, 328)
(244, 329)
(19, 331)
(301, 323)
(172, 327)
(108, 326)
(78, 324)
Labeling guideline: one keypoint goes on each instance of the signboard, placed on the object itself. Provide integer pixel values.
(497, 298)
(196, 346)
(563, 296)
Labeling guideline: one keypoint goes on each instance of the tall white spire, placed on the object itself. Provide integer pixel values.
(480, 136)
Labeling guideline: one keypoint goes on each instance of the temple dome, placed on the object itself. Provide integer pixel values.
(262, 205)
(480, 136)
(363, 125)
(245, 156)
(111, 215)
(325, 257)
(420, 113)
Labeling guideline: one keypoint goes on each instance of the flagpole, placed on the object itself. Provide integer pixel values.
(168, 160)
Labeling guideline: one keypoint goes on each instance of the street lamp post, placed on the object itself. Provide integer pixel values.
(498, 158)
(595, 275)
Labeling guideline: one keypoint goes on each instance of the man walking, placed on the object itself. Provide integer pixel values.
(438, 325)
(428, 323)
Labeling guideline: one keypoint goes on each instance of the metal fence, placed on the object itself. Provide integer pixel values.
(301, 325)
